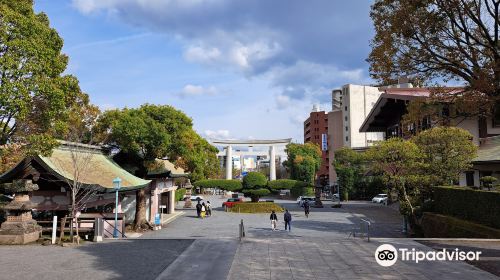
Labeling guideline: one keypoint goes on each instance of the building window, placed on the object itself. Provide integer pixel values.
(345, 118)
(347, 138)
(345, 108)
(346, 128)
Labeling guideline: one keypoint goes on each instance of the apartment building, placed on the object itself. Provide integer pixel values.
(316, 131)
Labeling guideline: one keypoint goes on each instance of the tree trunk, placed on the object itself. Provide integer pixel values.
(254, 198)
(140, 209)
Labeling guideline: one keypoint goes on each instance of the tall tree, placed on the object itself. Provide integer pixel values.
(447, 151)
(34, 93)
(303, 161)
(400, 162)
(152, 132)
(349, 169)
(440, 40)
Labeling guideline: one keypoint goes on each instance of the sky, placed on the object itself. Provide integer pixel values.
(248, 69)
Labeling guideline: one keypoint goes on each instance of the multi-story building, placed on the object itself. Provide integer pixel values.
(316, 131)
(350, 106)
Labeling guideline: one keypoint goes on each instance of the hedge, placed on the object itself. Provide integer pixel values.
(256, 207)
(228, 185)
(297, 188)
(179, 194)
(482, 207)
(440, 226)
(284, 184)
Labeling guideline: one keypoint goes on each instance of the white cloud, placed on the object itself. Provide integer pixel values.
(303, 51)
(220, 134)
(194, 90)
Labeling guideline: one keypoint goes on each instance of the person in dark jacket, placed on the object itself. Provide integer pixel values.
(198, 209)
(307, 207)
(274, 220)
(288, 220)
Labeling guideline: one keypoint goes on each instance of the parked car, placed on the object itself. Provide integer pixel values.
(302, 199)
(231, 201)
(380, 198)
(196, 197)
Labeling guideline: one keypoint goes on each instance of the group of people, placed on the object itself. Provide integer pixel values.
(287, 217)
(204, 209)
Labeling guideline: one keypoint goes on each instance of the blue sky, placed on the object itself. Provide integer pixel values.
(240, 69)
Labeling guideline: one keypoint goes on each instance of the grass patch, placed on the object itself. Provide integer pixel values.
(256, 207)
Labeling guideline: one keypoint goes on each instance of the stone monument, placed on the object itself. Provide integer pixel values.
(187, 199)
(20, 228)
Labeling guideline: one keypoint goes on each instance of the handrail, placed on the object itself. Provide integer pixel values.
(122, 234)
(368, 224)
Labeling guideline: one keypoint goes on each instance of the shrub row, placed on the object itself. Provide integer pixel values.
(297, 188)
(228, 185)
(256, 207)
(440, 226)
(482, 207)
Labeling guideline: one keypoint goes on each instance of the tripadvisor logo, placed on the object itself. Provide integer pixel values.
(387, 255)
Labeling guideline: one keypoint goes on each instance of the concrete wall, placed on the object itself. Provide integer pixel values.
(357, 104)
(471, 125)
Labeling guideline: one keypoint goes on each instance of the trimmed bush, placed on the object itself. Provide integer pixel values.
(304, 191)
(228, 185)
(179, 194)
(440, 226)
(482, 207)
(297, 188)
(256, 207)
(284, 184)
(255, 185)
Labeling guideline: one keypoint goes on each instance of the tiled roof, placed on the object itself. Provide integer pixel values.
(163, 166)
(96, 168)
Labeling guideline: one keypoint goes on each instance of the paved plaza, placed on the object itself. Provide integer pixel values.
(318, 247)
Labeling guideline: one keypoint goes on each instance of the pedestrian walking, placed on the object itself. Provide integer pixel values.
(274, 220)
(203, 210)
(198, 209)
(288, 219)
(209, 209)
(307, 207)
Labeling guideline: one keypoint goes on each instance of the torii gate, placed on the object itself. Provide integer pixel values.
(272, 153)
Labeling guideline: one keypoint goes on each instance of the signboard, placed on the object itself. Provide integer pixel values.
(324, 142)
(163, 206)
(157, 219)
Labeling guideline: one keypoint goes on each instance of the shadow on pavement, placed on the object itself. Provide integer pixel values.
(490, 252)
(135, 259)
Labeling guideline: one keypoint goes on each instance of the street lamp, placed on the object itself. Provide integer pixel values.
(116, 185)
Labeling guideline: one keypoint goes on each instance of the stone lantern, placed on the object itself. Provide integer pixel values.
(20, 228)
(187, 200)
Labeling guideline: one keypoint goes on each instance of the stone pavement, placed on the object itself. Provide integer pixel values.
(188, 248)
(120, 259)
(327, 258)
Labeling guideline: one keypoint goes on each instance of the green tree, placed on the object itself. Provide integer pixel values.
(440, 40)
(349, 169)
(255, 185)
(35, 96)
(400, 162)
(152, 132)
(303, 161)
(447, 152)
